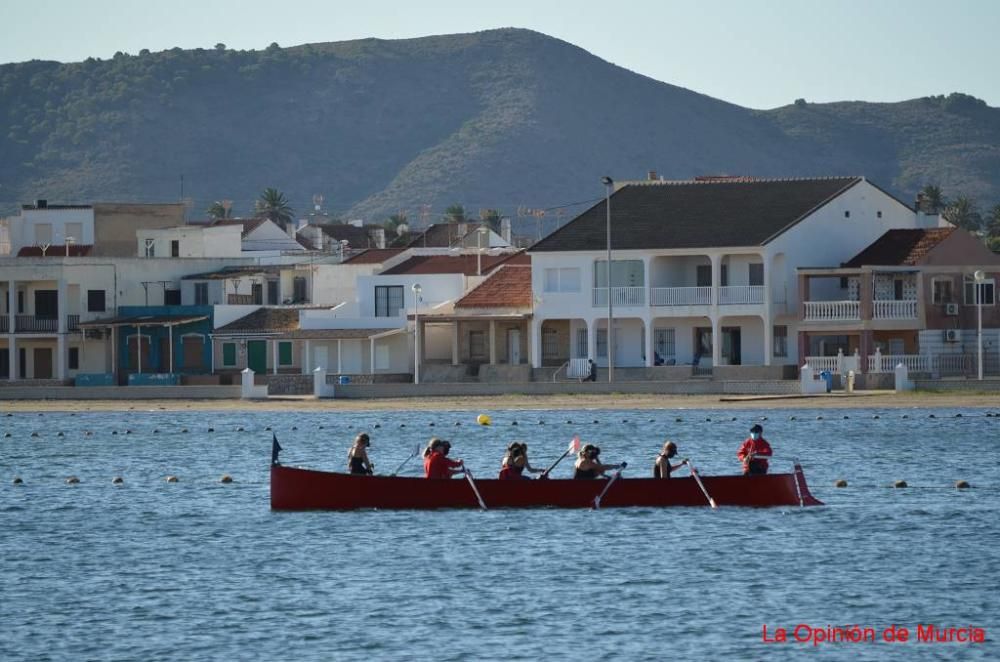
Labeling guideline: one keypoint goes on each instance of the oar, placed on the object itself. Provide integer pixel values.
(697, 479)
(597, 501)
(468, 476)
(574, 446)
(403, 463)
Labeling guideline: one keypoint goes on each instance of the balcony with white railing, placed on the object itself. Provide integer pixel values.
(878, 362)
(680, 296)
(832, 311)
(741, 294)
(903, 309)
(620, 296)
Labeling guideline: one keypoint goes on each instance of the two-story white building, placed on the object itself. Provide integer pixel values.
(703, 271)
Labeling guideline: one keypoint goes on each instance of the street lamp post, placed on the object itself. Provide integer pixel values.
(979, 277)
(479, 250)
(416, 333)
(608, 183)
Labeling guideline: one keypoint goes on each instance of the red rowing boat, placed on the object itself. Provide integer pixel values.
(294, 488)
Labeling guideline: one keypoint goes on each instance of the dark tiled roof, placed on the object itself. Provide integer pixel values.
(453, 264)
(143, 320)
(443, 235)
(374, 256)
(900, 247)
(270, 320)
(356, 237)
(696, 214)
(56, 250)
(507, 287)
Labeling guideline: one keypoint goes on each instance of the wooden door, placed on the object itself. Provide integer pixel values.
(43, 362)
(137, 363)
(257, 356)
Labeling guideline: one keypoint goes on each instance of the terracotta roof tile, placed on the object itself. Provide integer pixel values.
(453, 264)
(374, 256)
(905, 247)
(507, 287)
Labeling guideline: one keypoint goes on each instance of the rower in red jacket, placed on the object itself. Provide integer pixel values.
(437, 464)
(754, 451)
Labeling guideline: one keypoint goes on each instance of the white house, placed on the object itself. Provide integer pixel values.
(704, 271)
(191, 241)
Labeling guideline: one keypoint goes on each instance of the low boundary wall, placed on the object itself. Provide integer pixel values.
(120, 393)
(692, 387)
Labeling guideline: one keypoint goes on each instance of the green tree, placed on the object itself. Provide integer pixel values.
(220, 209)
(993, 222)
(273, 204)
(934, 197)
(491, 217)
(962, 213)
(454, 214)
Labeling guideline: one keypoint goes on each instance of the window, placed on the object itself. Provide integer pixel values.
(192, 351)
(847, 214)
(74, 358)
(878, 214)
(171, 297)
(987, 293)
(477, 345)
(756, 276)
(565, 279)
(581, 343)
(624, 273)
(780, 348)
(272, 293)
(43, 233)
(703, 275)
(150, 248)
(95, 301)
(201, 294)
(897, 289)
(47, 304)
(229, 354)
(388, 300)
(299, 290)
(664, 343)
(602, 343)
(175, 248)
(285, 353)
(941, 291)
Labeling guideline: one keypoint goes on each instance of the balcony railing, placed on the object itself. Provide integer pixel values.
(888, 362)
(824, 311)
(680, 296)
(32, 324)
(741, 294)
(240, 299)
(72, 322)
(905, 309)
(620, 296)
(837, 365)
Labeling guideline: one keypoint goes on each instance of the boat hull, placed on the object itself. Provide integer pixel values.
(294, 488)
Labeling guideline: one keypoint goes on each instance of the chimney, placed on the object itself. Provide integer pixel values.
(41, 204)
(505, 229)
(377, 234)
(651, 176)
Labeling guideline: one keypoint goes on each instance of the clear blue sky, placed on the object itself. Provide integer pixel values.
(759, 53)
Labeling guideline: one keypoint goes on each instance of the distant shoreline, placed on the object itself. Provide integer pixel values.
(861, 400)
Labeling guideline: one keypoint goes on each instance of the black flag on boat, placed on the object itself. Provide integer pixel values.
(275, 448)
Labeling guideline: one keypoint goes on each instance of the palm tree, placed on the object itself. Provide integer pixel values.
(934, 197)
(220, 209)
(962, 213)
(454, 214)
(273, 204)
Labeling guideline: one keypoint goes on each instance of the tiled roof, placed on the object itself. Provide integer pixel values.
(900, 247)
(453, 264)
(356, 237)
(696, 214)
(270, 320)
(56, 250)
(507, 287)
(443, 235)
(374, 256)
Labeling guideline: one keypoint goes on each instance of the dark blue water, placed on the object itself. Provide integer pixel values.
(203, 570)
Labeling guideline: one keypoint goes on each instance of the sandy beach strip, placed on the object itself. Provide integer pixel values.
(867, 400)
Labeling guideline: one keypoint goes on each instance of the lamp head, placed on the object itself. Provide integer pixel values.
(980, 275)
(416, 288)
(607, 181)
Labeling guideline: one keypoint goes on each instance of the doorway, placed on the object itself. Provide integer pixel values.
(257, 356)
(514, 346)
(138, 362)
(731, 343)
(43, 362)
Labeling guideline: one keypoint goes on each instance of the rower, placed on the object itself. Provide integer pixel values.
(662, 467)
(437, 464)
(588, 463)
(357, 457)
(515, 461)
(754, 451)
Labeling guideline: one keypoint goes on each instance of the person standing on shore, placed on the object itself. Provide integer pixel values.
(754, 451)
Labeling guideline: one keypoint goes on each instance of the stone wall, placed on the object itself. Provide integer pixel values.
(288, 384)
(445, 373)
(505, 373)
(377, 378)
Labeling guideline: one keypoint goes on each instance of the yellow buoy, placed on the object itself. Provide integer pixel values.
(483, 419)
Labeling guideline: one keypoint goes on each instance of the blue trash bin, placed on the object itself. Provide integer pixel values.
(827, 377)
(344, 379)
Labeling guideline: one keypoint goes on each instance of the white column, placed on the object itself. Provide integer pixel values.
(138, 347)
(454, 342)
(274, 357)
(307, 361)
(716, 341)
(170, 346)
(15, 372)
(114, 356)
(371, 357)
(768, 316)
(211, 349)
(768, 338)
(592, 340)
(536, 342)
(61, 305)
(61, 356)
(338, 356)
(716, 277)
(12, 305)
(650, 344)
(493, 342)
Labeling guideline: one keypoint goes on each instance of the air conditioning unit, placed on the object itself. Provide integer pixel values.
(952, 335)
(951, 309)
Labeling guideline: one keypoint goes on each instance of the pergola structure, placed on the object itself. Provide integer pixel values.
(139, 321)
